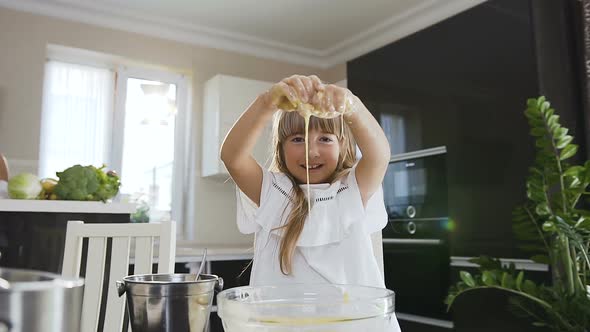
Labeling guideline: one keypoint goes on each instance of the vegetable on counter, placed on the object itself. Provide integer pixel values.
(77, 183)
(24, 186)
(48, 186)
(86, 183)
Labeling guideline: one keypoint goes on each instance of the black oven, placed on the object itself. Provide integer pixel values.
(415, 185)
(416, 249)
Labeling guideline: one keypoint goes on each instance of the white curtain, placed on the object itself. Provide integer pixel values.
(77, 117)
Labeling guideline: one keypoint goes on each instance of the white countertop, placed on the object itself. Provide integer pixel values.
(192, 253)
(23, 205)
(187, 252)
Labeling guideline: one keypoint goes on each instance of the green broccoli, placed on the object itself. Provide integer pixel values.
(86, 183)
(77, 183)
(108, 185)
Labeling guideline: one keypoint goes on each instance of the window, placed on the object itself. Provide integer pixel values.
(77, 116)
(131, 119)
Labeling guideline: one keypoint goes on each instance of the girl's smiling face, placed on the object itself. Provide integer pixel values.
(324, 151)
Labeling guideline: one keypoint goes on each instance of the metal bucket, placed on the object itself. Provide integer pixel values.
(169, 302)
(34, 301)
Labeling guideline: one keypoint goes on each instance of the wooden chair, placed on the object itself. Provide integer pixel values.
(96, 268)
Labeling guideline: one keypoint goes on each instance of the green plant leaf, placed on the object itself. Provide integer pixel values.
(531, 102)
(542, 143)
(503, 279)
(529, 287)
(486, 262)
(536, 195)
(461, 286)
(574, 171)
(535, 171)
(549, 226)
(549, 112)
(542, 209)
(568, 151)
(488, 278)
(538, 131)
(574, 182)
(507, 280)
(532, 113)
(519, 280)
(545, 105)
(467, 278)
(552, 119)
(537, 121)
(585, 224)
(559, 132)
(563, 141)
(450, 299)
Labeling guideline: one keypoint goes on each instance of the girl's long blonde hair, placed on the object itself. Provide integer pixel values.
(291, 123)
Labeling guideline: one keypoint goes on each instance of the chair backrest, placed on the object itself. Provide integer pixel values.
(96, 258)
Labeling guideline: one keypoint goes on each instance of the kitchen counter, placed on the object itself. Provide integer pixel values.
(191, 253)
(55, 206)
(32, 232)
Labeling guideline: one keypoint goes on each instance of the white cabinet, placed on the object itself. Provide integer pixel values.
(225, 99)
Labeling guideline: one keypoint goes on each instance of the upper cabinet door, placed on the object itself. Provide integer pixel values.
(225, 99)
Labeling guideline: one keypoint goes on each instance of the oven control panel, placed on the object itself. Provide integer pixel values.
(423, 228)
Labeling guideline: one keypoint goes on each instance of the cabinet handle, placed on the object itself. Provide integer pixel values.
(413, 241)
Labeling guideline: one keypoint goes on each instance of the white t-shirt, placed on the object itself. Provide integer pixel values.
(335, 244)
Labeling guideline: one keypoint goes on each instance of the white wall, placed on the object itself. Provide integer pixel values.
(23, 42)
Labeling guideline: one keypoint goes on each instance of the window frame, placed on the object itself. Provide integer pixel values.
(179, 171)
(125, 68)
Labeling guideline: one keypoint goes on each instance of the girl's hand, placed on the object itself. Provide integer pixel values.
(309, 94)
(293, 91)
(333, 101)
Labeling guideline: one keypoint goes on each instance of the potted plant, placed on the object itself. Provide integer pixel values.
(554, 226)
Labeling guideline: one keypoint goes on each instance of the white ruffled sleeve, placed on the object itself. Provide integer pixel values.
(246, 213)
(376, 218)
(251, 218)
(373, 216)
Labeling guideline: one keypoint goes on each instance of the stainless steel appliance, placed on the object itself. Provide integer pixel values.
(415, 242)
(32, 301)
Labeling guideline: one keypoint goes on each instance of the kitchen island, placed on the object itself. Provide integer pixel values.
(32, 232)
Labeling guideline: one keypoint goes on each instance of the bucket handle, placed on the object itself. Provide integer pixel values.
(121, 287)
(219, 284)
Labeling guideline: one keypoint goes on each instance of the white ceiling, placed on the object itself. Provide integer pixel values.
(319, 33)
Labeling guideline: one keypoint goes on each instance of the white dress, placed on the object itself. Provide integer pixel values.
(335, 245)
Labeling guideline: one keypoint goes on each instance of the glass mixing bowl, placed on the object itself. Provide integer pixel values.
(322, 307)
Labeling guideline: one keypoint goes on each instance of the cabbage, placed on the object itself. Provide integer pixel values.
(24, 186)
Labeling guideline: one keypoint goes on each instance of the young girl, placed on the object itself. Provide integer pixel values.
(329, 241)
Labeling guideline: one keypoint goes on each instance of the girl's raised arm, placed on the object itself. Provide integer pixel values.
(374, 147)
(367, 132)
(236, 150)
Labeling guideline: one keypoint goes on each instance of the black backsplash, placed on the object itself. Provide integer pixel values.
(463, 83)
